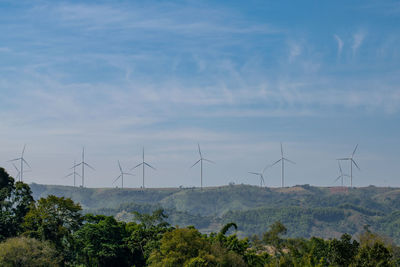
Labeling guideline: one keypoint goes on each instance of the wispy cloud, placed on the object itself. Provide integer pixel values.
(358, 39)
(340, 44)
(166, 75)
(295, 50)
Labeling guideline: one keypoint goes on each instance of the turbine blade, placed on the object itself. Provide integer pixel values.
(117, 178)
(199, 150)
(127, 173)
(68, 175)
(14, 159)
(281, 150)
(340, 176)
(148, 165)
(354, 151)
(255, 173)
(88, 166)
(119, 165)
(340, 167)
(209, 161)
(195, 163)
(76, 165)
(15, 167)
(23, 151)
(344, 159)
(137, 166)
(288, 160)
(276, 162)
(355, 164)
(266, 167)
(26, 163)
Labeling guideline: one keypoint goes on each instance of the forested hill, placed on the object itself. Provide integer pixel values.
(305, 210)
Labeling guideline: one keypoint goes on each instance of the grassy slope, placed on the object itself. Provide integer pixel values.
(305, 210)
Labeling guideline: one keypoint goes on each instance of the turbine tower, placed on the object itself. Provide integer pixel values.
(352, 161)
(201, 166)
(262, 181)
(122, 175)
(74, 173)
(83, 164)
(143, 164)
(22, 161)
(341, 174)
(282, 160)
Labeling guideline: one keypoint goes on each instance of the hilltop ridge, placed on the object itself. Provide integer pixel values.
(305, 210)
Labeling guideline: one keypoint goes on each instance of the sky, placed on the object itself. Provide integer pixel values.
(236, 77)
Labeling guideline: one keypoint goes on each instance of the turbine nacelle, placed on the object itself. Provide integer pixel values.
(122, 173)
(22, 162)
(143, 164)
(201, 165)
(352, 161)
(282, 161)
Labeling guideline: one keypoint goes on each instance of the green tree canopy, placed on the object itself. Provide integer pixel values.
(15, 200)
(342, 252)
(144, 236)
(188, 247)
(54, 219)
(272, 237)
(100, 242)
(28, 252)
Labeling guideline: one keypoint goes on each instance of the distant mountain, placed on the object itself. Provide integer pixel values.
(305, 210)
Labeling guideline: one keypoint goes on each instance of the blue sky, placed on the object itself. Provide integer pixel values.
(236, 77)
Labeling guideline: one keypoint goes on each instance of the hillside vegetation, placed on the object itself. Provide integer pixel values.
(306, 211)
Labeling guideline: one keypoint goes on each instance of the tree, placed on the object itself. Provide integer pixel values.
(100, 242)
(375, 255)
(231, 242)
(54, 219)
(27, 252)
(342, 252)
(144, 237)
(181, 247)
(272, 237)
(375, 250)
(188, 247)
(15, 200)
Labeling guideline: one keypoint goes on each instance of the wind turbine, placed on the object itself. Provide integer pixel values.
(18, 172)
(122, 175)
(351, 165)
(83, 164)
(341, 173)
(282, 160)
(261, 177)
(201, 166)
(22, 161)
(74, 173)
(143, 164)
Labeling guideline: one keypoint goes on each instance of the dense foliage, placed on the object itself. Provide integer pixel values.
(306, 211)
(23, 251)
(15, 200)
(53, 231)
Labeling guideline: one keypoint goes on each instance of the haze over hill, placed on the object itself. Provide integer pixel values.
(305, 210)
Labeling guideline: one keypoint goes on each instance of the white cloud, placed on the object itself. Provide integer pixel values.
(358, 39)
(340, 44)
(295, 50)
